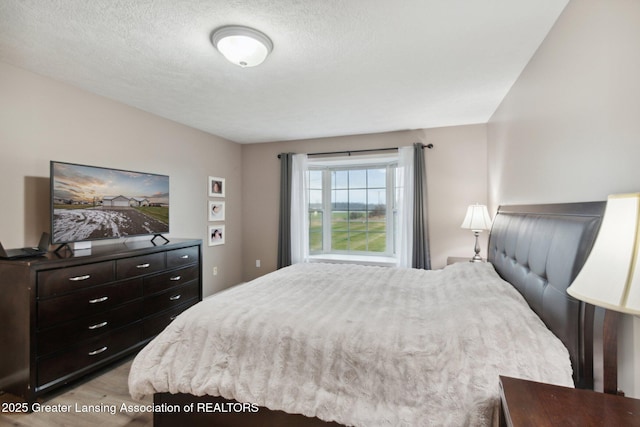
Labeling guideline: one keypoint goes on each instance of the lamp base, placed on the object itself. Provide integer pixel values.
(476, 257)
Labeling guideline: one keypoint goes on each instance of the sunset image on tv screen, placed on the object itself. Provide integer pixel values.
(90, 203)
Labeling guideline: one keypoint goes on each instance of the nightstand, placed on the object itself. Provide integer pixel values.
(528, 403)
(454, 259)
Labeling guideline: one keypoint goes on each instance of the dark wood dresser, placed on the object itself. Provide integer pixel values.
(67, 315)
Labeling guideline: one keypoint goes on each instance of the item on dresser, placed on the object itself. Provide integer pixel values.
(66, 316)
(97, 203)
(41, 249)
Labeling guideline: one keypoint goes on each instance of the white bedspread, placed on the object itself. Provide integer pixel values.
(363, 346)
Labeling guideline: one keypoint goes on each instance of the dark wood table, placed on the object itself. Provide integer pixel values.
(528, 403)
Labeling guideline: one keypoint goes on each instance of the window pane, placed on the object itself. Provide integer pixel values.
(315, 199)
(377, 197)
(377, 242)
(315, 179)
(358, 242)
(339, 221)
(357, 200)
(340, 199)
(315, 231)
(339, 179)
(357, 221)
(377, 178)
(358, 178)
(315, 221)
(377, 223)
(377, 212)
(339, 240)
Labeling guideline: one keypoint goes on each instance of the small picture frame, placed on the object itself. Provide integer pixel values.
(216, 235)
(216, 186)
(216, 210)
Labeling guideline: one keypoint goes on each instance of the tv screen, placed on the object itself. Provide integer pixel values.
(91, 203)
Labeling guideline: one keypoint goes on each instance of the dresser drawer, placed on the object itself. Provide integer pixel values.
(67, 334)
(180, 257)
(87, 302)
(163, 281)
(154, 325)
(172, 298)
(139, 265)
(60, 281)
(87, 354)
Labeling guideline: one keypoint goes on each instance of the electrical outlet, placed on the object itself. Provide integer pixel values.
(257, 263)
(215, 271)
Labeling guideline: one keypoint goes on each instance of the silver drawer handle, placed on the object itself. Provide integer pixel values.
(80, 278)
(97, 300)
(175, 297)
(98, 325)
(185, 257)
(143, 265)
(98, 351)
(175, 278)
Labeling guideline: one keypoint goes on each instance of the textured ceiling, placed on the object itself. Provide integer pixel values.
(339, 67)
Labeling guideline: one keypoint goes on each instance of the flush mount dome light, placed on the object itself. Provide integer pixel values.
(242, 46)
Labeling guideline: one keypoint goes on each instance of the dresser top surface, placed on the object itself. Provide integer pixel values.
(99, 252)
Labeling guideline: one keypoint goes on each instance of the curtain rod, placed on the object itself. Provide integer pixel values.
(349, 152)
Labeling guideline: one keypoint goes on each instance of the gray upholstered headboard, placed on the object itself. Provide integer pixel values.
(540, 249)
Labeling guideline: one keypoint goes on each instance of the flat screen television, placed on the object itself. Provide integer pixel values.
(92, 203)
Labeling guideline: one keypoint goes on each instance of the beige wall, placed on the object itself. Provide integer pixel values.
(43, 120)
(456, 177)
(569, 129)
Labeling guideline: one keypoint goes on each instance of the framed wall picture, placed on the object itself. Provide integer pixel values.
(216, 235)
(216, 210)
(216, 186)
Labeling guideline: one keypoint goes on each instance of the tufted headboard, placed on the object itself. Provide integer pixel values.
(540, 249)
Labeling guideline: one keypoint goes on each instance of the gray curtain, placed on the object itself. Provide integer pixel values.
(421, 255)
(284, 224)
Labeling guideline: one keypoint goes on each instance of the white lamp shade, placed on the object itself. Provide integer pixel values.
(477, 218)
(242, 46)
(610, 277)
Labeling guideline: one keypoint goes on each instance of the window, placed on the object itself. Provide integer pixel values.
(351, 208)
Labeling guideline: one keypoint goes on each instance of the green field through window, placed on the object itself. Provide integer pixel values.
(352, 204)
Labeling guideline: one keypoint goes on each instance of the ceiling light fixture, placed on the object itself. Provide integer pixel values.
(242, 46)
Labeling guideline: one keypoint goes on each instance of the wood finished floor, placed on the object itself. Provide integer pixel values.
(104, 391)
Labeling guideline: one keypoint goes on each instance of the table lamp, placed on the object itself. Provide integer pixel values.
(477, 220)
(610, 277)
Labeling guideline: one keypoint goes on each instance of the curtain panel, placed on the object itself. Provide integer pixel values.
(299, 210)
(284, 222)
(404, 206)
(412, 244)
(421, 256)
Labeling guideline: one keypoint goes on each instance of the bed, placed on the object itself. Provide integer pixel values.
(316, 344)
